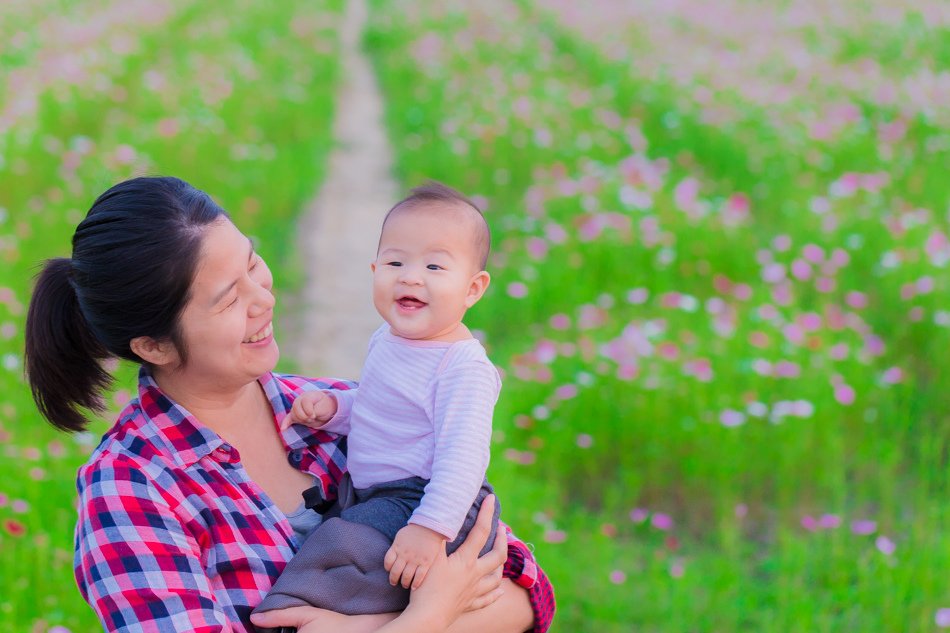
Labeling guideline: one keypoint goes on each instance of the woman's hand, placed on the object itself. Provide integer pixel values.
(463, 581)
(314, 620)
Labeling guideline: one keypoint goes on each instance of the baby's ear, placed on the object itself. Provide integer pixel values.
(477, 287)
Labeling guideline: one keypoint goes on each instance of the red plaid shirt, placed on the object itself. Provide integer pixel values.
(173, 535)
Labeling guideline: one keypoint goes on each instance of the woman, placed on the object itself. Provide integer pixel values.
(185, 506)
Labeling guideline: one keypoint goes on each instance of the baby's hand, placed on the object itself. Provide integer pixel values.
(311, 408)
(412, 553)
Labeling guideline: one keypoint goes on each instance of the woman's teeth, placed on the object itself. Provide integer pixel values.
(267, 331)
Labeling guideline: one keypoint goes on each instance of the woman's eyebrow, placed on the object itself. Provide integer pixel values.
(218, 297)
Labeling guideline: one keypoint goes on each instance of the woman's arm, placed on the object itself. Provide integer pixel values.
(136, 565)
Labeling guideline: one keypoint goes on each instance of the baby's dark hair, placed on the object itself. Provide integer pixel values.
(433, 192)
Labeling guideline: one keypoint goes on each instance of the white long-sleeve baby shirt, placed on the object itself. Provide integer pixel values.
(423, 409)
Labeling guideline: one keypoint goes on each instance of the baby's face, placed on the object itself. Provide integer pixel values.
(424, 276)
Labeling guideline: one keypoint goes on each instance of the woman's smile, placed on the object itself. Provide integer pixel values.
(265, 332)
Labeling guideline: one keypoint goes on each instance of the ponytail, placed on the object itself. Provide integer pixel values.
(62, 353)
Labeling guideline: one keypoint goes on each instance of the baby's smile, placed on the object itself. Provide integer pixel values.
(409, 302)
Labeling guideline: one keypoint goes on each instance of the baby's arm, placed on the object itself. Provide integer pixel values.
(311, 408)
(411, 555)
(464, 400)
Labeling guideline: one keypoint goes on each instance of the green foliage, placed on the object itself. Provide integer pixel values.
(237, 103)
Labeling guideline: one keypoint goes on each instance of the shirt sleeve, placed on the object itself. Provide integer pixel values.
(136, 564)
(465, 396)
(523, 570)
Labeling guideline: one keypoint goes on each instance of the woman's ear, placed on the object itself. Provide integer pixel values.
(158, 353)
(477, 287)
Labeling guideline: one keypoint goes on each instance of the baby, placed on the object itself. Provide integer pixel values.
(419, 424)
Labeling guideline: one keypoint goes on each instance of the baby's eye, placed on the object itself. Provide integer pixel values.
(434, 267)
(394, 263)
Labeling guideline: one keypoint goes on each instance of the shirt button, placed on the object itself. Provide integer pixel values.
(296, 457)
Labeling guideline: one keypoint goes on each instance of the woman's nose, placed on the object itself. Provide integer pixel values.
(263, 300)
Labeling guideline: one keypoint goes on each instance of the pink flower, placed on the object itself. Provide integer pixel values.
(639, 515)
(773, 273)
(892, 375)
(813, 253)
(829, 521)
(555, 233)
(825, 284)
(661, 521)
(124, 154)
(786, 369)
(885, 545)
(677, 568)
(555, 536)
(537, 248)
(560, 322)
(838, 351)
(732, 418)
(844, 394)
(685, 193)
(809, 523)
(638, 296)
(810, 321)
(565, 392)
(782, 243)
(584, 441)
(942, 618)
(801, 269)
(517, 290)
(742, 292)
(167, 127)
(863, 527)
(617, 577)
(856, 300)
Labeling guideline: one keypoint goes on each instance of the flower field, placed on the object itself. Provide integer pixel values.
(238, 103)
(720, 298)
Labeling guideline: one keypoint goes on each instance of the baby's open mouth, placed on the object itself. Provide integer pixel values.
(409, 302)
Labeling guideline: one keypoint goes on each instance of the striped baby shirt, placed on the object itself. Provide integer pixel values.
(422, 409)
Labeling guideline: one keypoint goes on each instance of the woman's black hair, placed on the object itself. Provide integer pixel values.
(134, 258)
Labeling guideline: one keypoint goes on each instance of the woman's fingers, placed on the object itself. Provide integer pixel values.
(496, 557)
(478, 535)
(487, 599)
(293, 616)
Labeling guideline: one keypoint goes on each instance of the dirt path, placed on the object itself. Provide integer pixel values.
(330, 322)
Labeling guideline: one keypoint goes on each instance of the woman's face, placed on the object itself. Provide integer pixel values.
(227, 323)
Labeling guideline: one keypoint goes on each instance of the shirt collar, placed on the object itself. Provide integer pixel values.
(189, 440)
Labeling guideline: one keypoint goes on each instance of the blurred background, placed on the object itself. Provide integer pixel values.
(719, 298)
